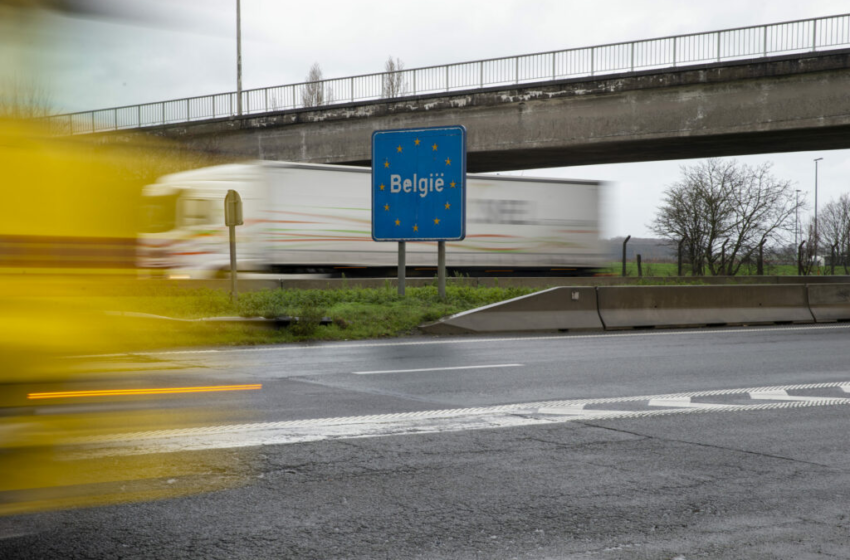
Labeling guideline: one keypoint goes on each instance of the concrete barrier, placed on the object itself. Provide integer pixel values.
(829, 302)
(684, 306)
(573, 308)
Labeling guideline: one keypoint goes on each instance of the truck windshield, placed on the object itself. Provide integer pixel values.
(159, 213)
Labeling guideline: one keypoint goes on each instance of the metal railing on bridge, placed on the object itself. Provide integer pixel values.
(665, 52)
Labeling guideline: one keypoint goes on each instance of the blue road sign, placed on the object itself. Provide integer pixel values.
(419, 184)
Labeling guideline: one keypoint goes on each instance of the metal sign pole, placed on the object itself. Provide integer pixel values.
(233, 293)
(441, 268)
(402, 264)
(233, 218)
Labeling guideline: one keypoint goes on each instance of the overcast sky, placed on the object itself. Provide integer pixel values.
(135, 52)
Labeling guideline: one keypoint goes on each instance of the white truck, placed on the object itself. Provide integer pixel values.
(316, 219)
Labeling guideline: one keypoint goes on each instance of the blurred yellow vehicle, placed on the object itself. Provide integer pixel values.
(67, 239)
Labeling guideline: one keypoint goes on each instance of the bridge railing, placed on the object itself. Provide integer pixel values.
(665, 52)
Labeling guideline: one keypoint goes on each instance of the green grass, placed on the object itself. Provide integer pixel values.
(357, 313)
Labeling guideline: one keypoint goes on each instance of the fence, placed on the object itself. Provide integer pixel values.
(665, 52)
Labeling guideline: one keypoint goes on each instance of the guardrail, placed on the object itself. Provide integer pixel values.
(664, 52)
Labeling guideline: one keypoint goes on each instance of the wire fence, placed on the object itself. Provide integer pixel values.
(666, 52)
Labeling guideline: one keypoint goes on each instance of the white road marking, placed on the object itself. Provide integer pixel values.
(439, 421)
(434, 369)
(780, 395)
(461, 340)
(685, 402)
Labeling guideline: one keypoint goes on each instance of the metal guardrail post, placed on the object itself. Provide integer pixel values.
(719, 33)
(626, 240)
(764, 32)
(814, 35)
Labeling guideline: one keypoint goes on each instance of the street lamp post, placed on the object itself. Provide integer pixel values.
(796, 216)
(238, 57)
(816, 210)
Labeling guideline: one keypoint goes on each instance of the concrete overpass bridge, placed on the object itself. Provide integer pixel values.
(774, 88)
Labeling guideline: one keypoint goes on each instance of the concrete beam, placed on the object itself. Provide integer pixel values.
(780, 104)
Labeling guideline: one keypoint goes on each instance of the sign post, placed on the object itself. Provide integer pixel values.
(419, 190)
(232, 218)
(402, 266)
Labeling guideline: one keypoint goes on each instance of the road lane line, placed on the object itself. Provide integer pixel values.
(781, 395)
(685, 402)
(432, 421)
(434, 369)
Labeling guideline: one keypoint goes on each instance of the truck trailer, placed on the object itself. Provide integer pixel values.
(316, 219)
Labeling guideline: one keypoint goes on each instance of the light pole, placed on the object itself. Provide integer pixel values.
(238, 57)
(796, 216)
(816, 210)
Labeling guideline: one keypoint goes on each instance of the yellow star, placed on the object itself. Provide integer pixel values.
(448, 205)
(386, 206)
(417, 141)
(448, 161)
(415, 227)
(398, 222)
(434, 147)
(399, 149)
(436, 220)
(386, 164)
(452, 184)
(382, 187)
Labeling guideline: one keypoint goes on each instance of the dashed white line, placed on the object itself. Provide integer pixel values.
(435, 369)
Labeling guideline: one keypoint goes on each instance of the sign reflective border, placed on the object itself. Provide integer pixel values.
(419, 184)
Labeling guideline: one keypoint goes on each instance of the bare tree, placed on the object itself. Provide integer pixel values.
(393, 80)
(315, 91)
(723, 211)
(22, 99)
(834, 229)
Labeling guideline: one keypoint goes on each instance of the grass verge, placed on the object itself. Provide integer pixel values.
(356, 314)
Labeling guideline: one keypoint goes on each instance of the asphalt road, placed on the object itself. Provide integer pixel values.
(717, 443)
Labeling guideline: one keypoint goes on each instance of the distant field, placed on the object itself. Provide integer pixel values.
(670, 269)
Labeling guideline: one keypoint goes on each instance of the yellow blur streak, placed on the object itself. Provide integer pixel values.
(160, 391)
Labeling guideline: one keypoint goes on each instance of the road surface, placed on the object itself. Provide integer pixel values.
(699, 443)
